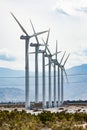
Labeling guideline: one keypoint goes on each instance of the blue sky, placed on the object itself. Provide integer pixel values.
(67, 20)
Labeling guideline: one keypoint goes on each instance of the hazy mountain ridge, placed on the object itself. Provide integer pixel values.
(12, 84)
(81, 69)
(6, 72)
(77, 87)
(11, 94)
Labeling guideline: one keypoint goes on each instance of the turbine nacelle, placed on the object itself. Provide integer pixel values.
(24, 37)
(55, 61)
(41, 51)
(36, 45)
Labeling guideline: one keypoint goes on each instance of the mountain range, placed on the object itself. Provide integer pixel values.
(76, 89)
(12, 84)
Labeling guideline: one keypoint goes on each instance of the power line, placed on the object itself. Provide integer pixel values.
(76, 74)
(45, 76)
(77, 82)
(22, 77)
(13, 77)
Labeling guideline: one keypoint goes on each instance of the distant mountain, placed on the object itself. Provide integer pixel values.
(12, 84)
(6, 72)
(11, 94)
(11, 78)
(77, 86)
(81, 69)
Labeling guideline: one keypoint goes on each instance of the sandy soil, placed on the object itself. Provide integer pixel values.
(69, 109)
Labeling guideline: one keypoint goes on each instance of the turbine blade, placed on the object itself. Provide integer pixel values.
(44, 45)
(58, 64)
(66, 59)
(32, 26)
(65, 75)
(19, 24)
(41, 44)
(48, 36)
(56, 50)
(47, 47)
(31, 53)
(46, 64)
(56, 53)
(34, 32)
(38, 33)
(43, 41)
(47, 39)
(49, 51)
(62, 57)
(50, 62)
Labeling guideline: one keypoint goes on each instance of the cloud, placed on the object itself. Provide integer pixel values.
(84, 52)
(83, 9)
(71, 7)
(5, 55)
(81, 52)
(61, 11)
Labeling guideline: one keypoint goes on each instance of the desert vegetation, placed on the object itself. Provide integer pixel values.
(21, 120)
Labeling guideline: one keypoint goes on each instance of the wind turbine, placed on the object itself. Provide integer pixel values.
(36, 45)
(59, 86)
(59, 67)
(43, 70)
(62, 79)
(43, 67)
(50, 62)
(55, 61)
(49, 58)
(54, 66)
(26, 38)
(55, 76)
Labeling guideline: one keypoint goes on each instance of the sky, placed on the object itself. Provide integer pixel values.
(67, 20)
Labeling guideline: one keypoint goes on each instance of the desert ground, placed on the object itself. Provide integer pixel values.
(67, 108)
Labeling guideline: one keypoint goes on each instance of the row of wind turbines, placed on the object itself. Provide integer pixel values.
(59, 86)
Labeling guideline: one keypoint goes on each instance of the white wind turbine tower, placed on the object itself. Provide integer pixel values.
(58, 64)
(62, 79)
(59, 67)
(49, 58)
(54, 67)
(43, 71)
(59, 86)
(54, 84)
(26, 38)
(43, 67)
(55, 61)
(36, 45)
(50, 62)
